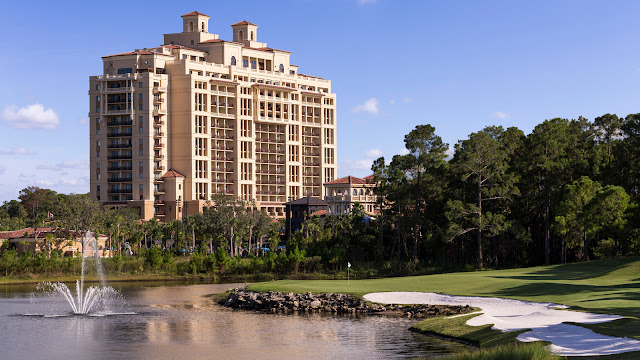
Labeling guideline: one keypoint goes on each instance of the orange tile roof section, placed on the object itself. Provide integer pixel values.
(348, 180)
(243, 22)
(193, 13)
(172, 173)
(274, 87)
(144, 52)
(182, 47)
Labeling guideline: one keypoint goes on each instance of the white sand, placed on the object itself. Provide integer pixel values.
(546, 323)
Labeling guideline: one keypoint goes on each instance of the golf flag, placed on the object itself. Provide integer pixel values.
(50, 215)
(348, 264)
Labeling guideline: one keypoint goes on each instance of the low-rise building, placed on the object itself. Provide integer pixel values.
(35, 240)
(343, 193)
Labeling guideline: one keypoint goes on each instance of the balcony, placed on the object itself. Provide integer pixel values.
(158, 112)
(310, 164)
(160, 89)
(158, 168)
(158, 122)
(120, 191)
(122, 89)
(158, 134)
(307, 143)
(215, 136)
(119, 134)
(158, 191)
(158, 202)
(120, 179)
(158, 157)
(120, 168)
(119, 157)
(119, 123)
(222, 148)
(119, 146)
(158, 146)
(158, 101)
(221, 158)
(117, 112)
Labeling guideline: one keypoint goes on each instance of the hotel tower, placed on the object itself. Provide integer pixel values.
(175, 124)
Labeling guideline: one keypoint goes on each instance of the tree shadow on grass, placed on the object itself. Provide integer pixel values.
(575, 271)
(626, 327)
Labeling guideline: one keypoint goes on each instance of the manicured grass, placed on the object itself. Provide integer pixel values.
(456, 328)
(532, 351)
(605, 286)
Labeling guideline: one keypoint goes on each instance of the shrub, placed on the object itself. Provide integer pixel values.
(517, 351)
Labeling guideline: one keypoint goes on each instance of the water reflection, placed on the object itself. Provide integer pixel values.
(180, 321)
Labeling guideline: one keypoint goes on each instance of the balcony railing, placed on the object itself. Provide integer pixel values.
(121, 89)
(157, 112)
(160, 89)
(120, 191)
(214, 136)
(119, 157)
(119, 134)
(120, 179)
(120, 168)
(158, 134)
(119, 146)
(117, 112)
(119, 123)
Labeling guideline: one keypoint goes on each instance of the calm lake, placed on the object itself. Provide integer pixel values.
(179, 321)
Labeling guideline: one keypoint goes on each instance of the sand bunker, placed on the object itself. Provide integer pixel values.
(545, 321)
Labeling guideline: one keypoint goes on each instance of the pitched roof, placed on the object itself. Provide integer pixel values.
(212, 41)
(243, 22)
(193, 13)
(319, 213)
(369, 178)
(172, 173)
(141, 52)
(308, 200)
(171, 46)
(348, 180)
(20, 233)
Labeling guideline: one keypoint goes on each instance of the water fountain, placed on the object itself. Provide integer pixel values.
(95, 300)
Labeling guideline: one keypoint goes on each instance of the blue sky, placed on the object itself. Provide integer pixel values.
(458, 65)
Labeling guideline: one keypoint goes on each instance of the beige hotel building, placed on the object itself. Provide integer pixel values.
(173, 125)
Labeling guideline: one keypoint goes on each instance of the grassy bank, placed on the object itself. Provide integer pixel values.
(605, 286)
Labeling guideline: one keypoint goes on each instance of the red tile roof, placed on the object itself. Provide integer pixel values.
(267, 49)
(212, 41)
(311, 76)
(182, 47)
(370, 178)
(172, 173)
(274, 87)
(243, 22)
(20, 233)
(193, 13)
(312, 93)
(348, 180)
(225, 82)
(142, 52)
(320, 213)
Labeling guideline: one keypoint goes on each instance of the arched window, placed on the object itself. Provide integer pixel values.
(190, 26)
(233, 60)
(361, 192)
(281, 68)
(240, 37)
(355, 192)
(203, 26)
(346, 192)
(252, 36)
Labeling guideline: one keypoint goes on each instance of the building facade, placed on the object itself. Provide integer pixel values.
(343, 193)
(229, 117)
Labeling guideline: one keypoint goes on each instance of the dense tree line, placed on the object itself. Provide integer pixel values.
(568, 191)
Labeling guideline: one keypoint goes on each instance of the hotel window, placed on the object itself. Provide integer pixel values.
(245, 63)
(97, 165)
(233, 60)
(98, 176)
(98, 154)
(98, 87)
(253, 64)
(140, 86)
(125, 71)
(281, 68)
(140, 152)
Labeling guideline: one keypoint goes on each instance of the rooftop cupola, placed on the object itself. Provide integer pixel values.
(195, 22)
(245, 31)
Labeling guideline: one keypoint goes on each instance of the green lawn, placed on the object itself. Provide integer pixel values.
(605, 286)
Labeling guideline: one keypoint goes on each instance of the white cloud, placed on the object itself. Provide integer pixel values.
(449, 153)
(44, 182)
(15, 151)
(366, 2)
(83, 121)
(370, 106)
(31, 117)
(392, 102)
(404, 151)
(2, 170)
(500, 115)
(66, 164)
(373, 153)
(407, 100)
